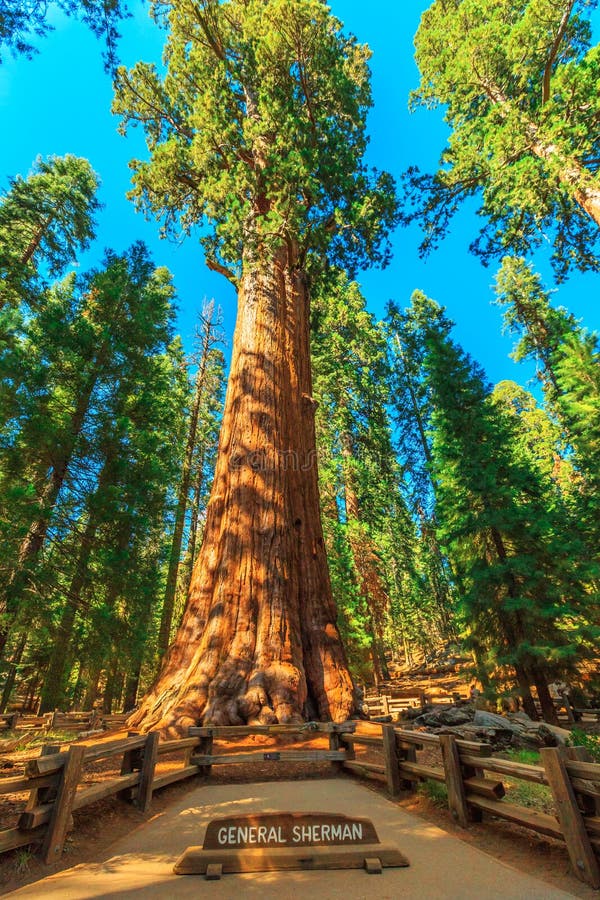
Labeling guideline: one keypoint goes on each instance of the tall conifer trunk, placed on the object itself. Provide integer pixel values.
(259, 640)
(31, 545)
(184, 488)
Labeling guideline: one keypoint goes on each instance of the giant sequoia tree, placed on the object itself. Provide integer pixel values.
(519, 82)
(257, 130)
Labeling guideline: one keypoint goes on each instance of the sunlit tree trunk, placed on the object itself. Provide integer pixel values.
(11, 675)
(259, 640)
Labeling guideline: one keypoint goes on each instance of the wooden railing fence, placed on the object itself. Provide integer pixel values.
(62, 721)
(53, 781)
(389, 702)
(56, 788)
(468, 769)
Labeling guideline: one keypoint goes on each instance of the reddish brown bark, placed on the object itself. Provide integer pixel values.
(259, 641)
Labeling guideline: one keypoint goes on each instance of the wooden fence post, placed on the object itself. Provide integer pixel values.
(407, 753)
(457, 800)
(63, 805)
(590, 805)
(144, 792)
(335, 743)
(392, 762)
(46, 794)
(568, 709)
(205, 748)
(350, 752)
(132, 761)
(581, 854)
(385, 705)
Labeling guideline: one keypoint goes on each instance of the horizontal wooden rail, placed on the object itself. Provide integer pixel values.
(520, 815)
(423, 737)
(269, 756)
(161, 781)
(370, 769)
(307, 729)
(114, 748)
(422, 771)
(485, 787)
(43, 765)
(524, 771)
(103, 790)
(23, 783)
(369, 740)
(417, 738)
(173, 746)
(580, 769)
(13, 838)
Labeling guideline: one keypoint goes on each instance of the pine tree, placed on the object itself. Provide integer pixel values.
(350, 387)
(568, 366)
(434, 577)
(578, 376)
(540, 327)
(45, 220)
(525, 598)
(371, 538)
(518, 81)
(79, 343)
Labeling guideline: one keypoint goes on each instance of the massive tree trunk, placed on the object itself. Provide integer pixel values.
(258, 641)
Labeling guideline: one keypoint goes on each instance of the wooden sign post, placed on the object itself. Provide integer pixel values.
(262, 843)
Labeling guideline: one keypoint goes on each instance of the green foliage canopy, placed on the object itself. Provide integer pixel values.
(257, 132)
(519, 83)
(45, 220)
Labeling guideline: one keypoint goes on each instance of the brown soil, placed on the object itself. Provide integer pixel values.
(97, 827)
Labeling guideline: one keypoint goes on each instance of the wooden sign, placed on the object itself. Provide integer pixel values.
(279, 841)
(288, 830)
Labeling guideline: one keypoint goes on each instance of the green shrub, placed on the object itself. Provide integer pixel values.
(591, 742)
(435, 791)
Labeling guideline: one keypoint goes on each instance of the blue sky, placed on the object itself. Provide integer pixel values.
(59, 103)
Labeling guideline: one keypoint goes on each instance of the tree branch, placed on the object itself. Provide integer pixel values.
(222, 270)
(554, 50)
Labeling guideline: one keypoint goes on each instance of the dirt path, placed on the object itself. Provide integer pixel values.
(441, 866)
